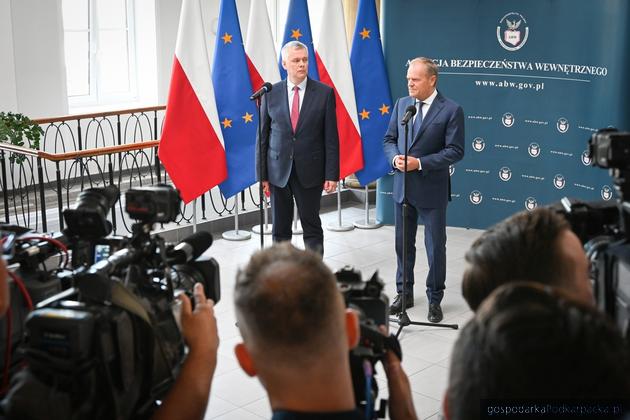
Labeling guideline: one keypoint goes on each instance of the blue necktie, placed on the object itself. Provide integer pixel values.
(417, 122)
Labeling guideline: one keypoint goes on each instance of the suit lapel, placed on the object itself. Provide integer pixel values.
(404, 104)
(434, 110)
(285, 102)
(306, 104)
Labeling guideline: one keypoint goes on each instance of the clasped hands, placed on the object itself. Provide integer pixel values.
(413, 163)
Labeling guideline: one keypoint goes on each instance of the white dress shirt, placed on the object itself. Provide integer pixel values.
(290, 93)
(426, 104)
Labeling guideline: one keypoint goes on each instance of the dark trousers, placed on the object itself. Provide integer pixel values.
(308, 202)
(434, 221)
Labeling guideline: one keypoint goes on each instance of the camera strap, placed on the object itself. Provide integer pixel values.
(126, 300)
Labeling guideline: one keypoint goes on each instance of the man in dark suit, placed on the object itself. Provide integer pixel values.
(436, 140)
(299, 147)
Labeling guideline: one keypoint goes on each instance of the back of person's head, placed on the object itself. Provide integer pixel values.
(534, 342)
(528, 246)
(288, 308)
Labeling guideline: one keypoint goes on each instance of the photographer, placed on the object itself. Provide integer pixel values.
(189, 396)
(528, 246)
(533, 347)
(5, 297)
(297, 335)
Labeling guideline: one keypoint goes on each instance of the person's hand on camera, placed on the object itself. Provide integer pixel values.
(199, 327)
(400, 400)
(5, 297)
(188, 398)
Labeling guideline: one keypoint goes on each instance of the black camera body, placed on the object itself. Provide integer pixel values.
(157, 204)
(604, 227)
(610, 149)
(372, 305)
(109, 345)
(25, 258)
(368, 299)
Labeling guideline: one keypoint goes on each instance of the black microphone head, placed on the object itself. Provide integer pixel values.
(267, 86)
(199, 242)
(411, 109)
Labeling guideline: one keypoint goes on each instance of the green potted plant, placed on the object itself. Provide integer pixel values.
(14, 128)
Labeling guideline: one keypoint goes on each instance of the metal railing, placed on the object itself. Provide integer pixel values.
(92, 150)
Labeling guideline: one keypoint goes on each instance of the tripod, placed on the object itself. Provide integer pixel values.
(403, 319)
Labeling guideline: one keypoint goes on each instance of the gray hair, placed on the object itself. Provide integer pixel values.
(296, 45)
(432, 68)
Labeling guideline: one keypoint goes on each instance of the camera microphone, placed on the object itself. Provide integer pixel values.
(190, 248)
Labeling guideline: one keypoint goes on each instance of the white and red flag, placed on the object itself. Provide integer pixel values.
(191, 148)
(333, 64)
(259, 47)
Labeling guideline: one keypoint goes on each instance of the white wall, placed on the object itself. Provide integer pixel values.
(167, 20)
(146, 52)
(40, 77)
(32, 69)
(8, 94)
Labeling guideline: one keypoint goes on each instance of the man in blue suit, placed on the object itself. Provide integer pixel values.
(436, 140)
(299, 147)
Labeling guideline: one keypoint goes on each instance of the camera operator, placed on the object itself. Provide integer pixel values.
(527, 246)
(297, 335)
(5, 297)
(533, 347)
(189, 396)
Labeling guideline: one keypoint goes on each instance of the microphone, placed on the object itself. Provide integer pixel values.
(266, 87)
(409, 113)
(190, 248)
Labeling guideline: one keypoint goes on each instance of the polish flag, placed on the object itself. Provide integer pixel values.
(259, 47)
(333, 64)
(191, 148)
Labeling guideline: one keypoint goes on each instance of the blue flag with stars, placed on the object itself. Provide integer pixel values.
(298, 28)
(371, 90)
(237, 114)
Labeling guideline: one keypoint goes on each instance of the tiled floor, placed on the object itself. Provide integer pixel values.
(426, 350)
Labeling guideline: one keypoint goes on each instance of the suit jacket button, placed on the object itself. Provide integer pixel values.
(293, 138)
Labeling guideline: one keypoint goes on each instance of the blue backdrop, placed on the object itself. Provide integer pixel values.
(535, 79)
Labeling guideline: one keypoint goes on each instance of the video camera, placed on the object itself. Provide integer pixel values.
(108, 345)
(372, 305)
(604, 227)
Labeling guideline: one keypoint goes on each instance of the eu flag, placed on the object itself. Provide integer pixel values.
(298, 28)
(371, 90)
(237, 114)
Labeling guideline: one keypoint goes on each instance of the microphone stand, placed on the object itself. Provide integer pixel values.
(261, 209)
(403, 319)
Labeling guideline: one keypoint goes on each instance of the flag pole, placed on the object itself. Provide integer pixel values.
(365, 223)
(339, 226)
(236, 234)
(266, 226)
(195, 215)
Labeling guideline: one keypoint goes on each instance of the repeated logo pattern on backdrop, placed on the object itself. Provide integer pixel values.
(533, 94)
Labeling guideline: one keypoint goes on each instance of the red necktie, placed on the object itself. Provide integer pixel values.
(295, 107)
